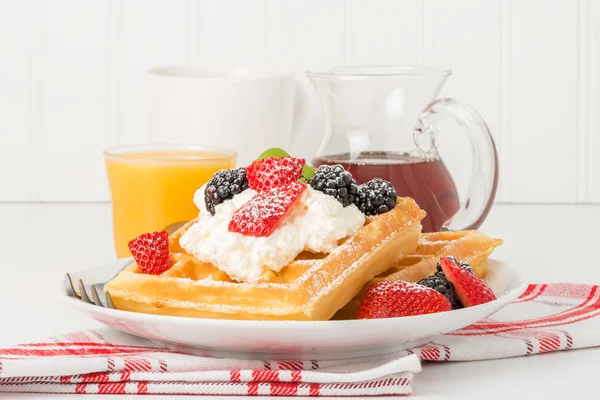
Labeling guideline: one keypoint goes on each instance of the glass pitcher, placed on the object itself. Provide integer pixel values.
(383, 122)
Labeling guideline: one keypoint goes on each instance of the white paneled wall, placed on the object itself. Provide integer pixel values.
(590, 115)
(15, 100)
(543, 89)
(73, 77)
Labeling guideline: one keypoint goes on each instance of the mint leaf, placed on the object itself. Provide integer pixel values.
(273, 152)
(308, 171)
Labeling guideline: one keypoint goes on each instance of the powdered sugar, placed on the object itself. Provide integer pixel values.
(273, 171)
(264, 212)
(384, 287)
(315, 224)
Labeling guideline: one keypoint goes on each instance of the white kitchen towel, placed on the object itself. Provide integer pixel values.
(545, 318)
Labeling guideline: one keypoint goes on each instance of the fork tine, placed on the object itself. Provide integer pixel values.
(109, 301)
(95, 297)
(83, 293)
(69, 287)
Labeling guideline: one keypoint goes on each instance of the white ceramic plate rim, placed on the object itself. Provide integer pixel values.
(517, 287)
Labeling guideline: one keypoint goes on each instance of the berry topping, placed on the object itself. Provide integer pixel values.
(464, 265)
(470, 290)
(377, 196)
(263, 213)
(335, 181)
(223, 185)
(273, 171)
(439, 283)
(389, 299)
(151, 252)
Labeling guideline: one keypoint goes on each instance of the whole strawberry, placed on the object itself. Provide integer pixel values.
(470, 290)
(273, 171)
(151, 252)
(389, 299)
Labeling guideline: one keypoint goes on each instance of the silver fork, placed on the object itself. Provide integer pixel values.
(97, 290)
(98, 297)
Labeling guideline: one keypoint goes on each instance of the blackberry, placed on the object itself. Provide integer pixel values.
(439, 283)
(464, 265)
(335, 181)
(468, 267)
(223, 185)
(377, 196)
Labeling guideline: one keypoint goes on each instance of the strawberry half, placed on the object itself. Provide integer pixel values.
(151, 252)
(470, 290)
(263, 213)
(273, 171)
(389, 299)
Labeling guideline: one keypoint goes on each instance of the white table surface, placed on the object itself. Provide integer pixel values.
(554, 243)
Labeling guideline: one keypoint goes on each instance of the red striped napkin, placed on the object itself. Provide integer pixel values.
(545, 318)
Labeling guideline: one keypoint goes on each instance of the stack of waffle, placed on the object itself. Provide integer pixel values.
(312, 287)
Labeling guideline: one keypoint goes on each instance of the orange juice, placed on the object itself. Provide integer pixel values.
(153, 187)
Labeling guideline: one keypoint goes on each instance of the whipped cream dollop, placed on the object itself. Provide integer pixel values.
(316, 224)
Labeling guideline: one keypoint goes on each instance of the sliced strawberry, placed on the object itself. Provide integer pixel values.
(273, 171)
(262, 214)
(151, 252)
(470, 290)
(389, 299)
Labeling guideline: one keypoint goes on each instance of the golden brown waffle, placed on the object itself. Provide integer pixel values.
(312, 287)
(472, 247)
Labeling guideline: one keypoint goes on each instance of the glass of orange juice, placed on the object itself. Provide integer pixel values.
(153, 186)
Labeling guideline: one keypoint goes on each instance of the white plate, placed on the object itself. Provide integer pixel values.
(301, 340)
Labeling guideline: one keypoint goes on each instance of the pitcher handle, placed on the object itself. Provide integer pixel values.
(484, 169)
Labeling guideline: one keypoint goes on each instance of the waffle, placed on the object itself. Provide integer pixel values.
(472, 247)
(312, 287)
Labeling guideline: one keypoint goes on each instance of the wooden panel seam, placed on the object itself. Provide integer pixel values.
(505, 126)
(583, 103)
(36, 71)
